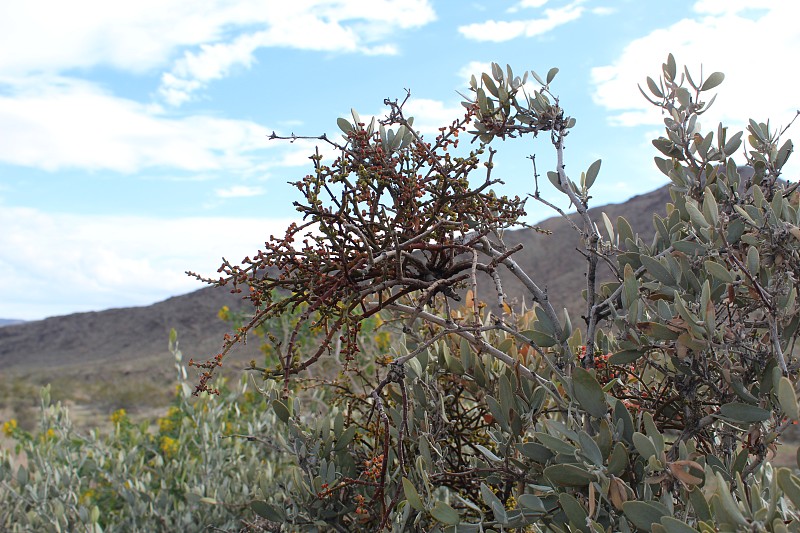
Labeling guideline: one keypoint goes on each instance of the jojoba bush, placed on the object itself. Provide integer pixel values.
(658, 411)
(202, 466)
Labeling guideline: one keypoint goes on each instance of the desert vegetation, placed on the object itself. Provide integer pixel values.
(401, 388)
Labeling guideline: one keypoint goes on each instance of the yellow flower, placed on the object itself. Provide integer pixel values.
(169, 446)
(118, 416)
(224, 313)
(47, 435)
(165, 425)
(86, 497)
(382, 340)
(511, 503)
(9, 427)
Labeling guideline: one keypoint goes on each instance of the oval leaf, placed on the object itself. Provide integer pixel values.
(712, 81)
(618, 461)
(644, 445)
(412, 495)
(788, 398)
(673, 525)
(624, 357)
(569, 475)
(589, 393)
(535, 451)
(281, 410)
(718, 271)
(344, 125)
(743, 412)
(592, 172)
(445, 514)
(658, 271)
(576, 513)
(644, 514)
(541, 339)
(265, 510)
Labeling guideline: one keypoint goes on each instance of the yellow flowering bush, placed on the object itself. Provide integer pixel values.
(161, 476)
(118, 416)
(9, 428)
(169, 446)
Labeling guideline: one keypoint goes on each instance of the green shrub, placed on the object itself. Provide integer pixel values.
(657, 413)
(203, 464)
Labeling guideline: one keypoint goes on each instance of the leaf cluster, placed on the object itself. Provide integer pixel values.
(658, 412)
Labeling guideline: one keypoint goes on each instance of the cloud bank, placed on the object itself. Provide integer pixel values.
(720, 34)
(66, 262)
(506, 30)
(759, 83)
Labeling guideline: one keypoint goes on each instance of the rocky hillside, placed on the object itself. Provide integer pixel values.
(130, 337)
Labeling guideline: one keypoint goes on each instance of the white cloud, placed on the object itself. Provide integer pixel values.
(214, 61)
(527, 4)
(133, 36)
(603, 11)
(719, 7)
(61, 123)
(51, 263)
(138, 36)
(758, 82)
(474, 68)
(430, 115)
(239, 191)
(321, 25)
(210, 38)
(503, 30)
(755, 81)
(54, 122)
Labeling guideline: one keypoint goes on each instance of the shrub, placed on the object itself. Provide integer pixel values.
(658, 412)
(202, 466)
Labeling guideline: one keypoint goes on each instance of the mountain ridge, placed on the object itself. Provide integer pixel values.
(139, 334)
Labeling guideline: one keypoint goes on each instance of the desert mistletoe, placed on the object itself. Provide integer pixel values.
(392, 223)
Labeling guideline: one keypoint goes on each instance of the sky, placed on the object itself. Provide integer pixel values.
(134, 135)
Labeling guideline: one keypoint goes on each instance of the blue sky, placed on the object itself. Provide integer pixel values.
(133, 136)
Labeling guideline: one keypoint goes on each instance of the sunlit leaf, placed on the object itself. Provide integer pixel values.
(592, 172)
(712, 81)
(653, 86)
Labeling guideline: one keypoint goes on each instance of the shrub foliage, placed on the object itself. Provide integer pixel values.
(657, 412)
(201, 465)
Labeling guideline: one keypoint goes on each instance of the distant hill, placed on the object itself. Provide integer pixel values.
(553, 261)
(120, 337)
(128, 339)
(9, 321)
